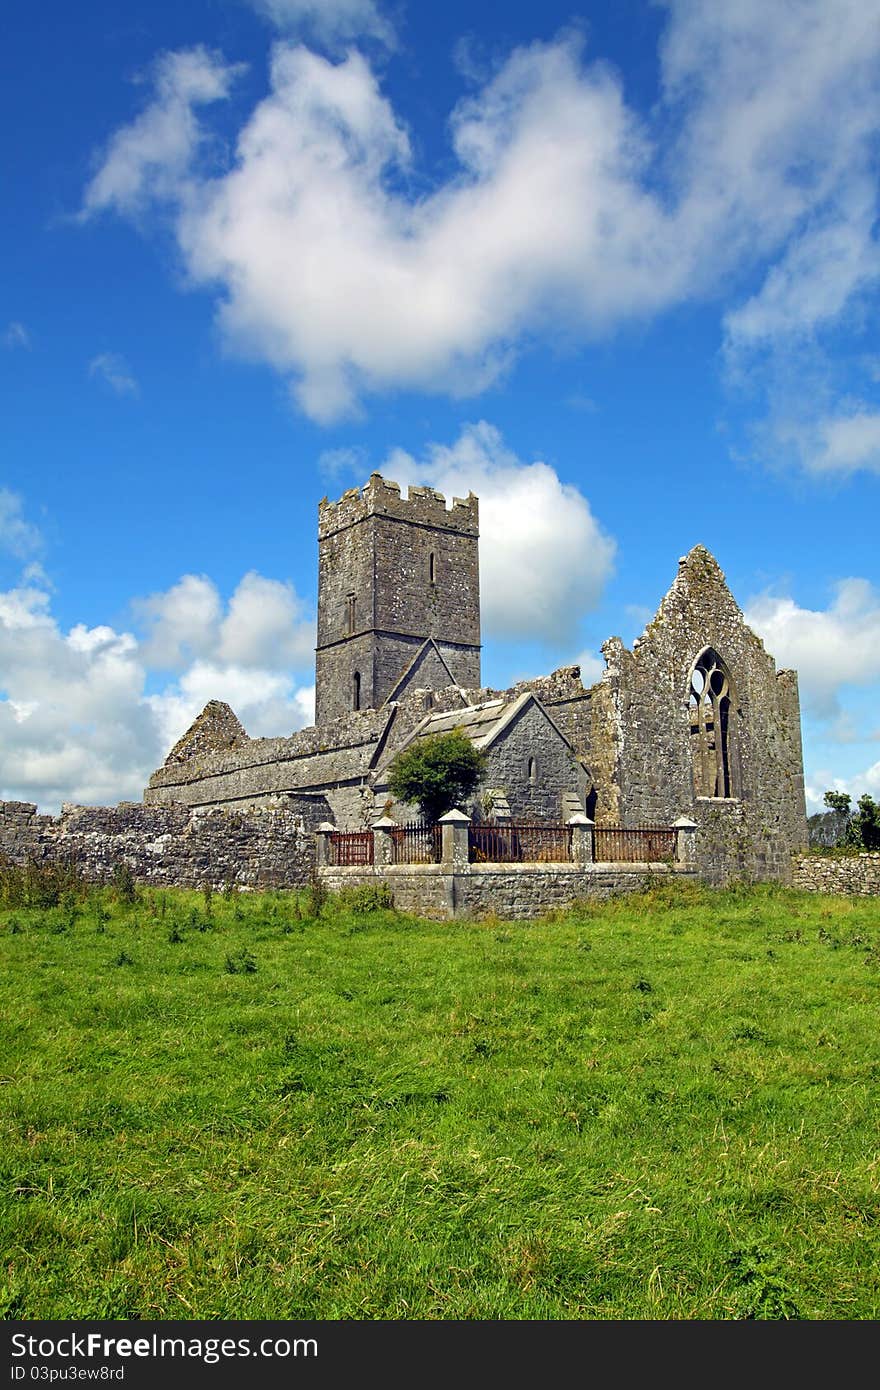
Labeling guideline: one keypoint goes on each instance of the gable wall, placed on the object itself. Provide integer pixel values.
(647, 740)
(531, 734)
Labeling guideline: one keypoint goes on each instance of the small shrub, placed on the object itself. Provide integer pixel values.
(123, 959)
(123, 883)
(175, 934)
(37, 884)
(316, 896)
(242, 963)
(366, 897)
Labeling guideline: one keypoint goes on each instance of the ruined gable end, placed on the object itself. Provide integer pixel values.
(215, 729)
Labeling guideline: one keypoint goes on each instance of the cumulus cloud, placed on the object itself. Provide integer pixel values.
(265, 624)
(829, 648)
(329, 21)
(87, 714)
(566, 214)
(544, 559)
(114, 371)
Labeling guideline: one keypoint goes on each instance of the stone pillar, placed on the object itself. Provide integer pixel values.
(455, 851)
(382, 845)
(685, 842)
(322, 844)
(582, 839)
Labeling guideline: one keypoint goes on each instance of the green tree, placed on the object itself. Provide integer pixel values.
(861, 830)
(866, 824)
(437, 773)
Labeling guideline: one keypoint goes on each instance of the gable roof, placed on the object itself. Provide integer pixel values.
(484, 723)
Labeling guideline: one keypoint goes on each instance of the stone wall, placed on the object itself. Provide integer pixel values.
(844, 873)
(641, 744)
(165, 845)
(532, 736)
(516, 891)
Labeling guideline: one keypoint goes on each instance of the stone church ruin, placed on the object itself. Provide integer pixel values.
(692, 734)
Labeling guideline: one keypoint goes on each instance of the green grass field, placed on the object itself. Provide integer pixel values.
(665, 1107)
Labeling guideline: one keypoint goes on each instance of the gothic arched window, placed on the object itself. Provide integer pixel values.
(709, 699)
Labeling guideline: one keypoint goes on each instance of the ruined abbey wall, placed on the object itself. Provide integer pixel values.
(643, 747)
(165, 845)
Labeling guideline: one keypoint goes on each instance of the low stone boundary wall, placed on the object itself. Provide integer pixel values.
(517, 891)
(165, 845)
(838, 873)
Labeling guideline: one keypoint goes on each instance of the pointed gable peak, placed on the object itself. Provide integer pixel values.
(215, 729)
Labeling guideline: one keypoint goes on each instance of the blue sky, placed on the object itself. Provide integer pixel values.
(614, 268)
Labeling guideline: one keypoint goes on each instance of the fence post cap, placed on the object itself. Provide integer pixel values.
(454, 817)
(325, 828)
(579, 819)
(684, 823)
(384, 823)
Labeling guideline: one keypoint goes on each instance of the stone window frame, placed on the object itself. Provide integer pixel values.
(356, 690)
(532, 770)
(351, 612)
(711, 706)
(432, 567)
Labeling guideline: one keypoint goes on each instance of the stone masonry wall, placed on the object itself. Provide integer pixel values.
(646, 742)
(164, 845)
(827, 873)
(391, 572)
(516, 891)
(532, 735)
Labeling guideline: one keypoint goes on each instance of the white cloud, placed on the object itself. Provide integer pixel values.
(329, 21)
(268, 703)
(114, 371)
(566, 215)
(21, 538)
(181, 623)
(829, 648)
(847, 442)
(266, 626)
(544, 559)
(16, 335)
(151, 157)
(77, 722)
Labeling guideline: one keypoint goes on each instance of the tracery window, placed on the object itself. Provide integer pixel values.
(709, 699)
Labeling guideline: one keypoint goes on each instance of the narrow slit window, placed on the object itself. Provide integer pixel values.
(533, 772)
(432, 568)
(356, 691)
(709, 702)
(352, 612)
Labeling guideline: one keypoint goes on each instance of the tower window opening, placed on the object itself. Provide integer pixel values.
(352, 612)
(432, 568)
(356, 691)
(709, 702)
(533, 771)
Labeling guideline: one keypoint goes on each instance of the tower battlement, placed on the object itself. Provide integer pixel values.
(380, 496)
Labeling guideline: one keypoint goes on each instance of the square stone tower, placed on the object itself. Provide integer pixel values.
(394, 573)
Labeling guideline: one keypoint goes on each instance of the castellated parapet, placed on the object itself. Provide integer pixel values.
(423, 506)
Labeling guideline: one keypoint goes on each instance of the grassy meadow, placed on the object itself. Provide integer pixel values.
(243, 1107)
